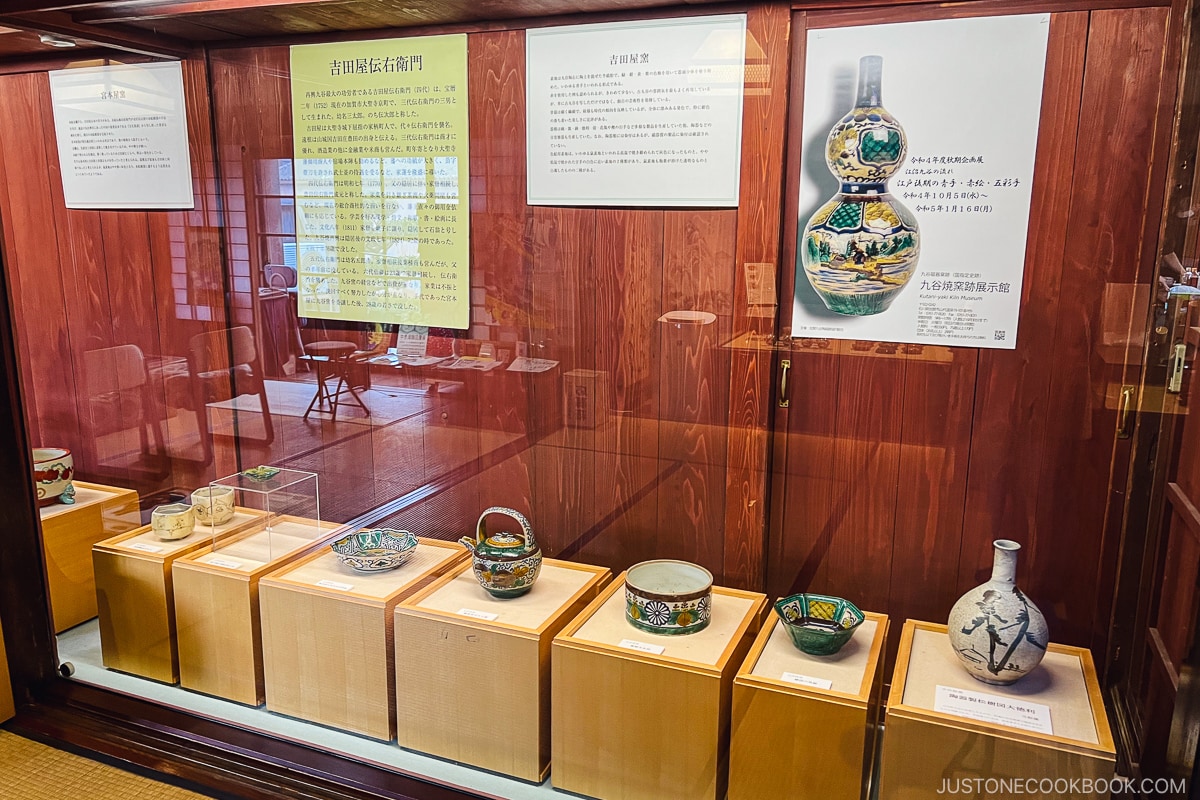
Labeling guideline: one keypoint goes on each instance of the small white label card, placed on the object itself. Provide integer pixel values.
(341, 587)
(145, 548)
(225, 562)
(804, 680)
(470, 612)
(630, 644)
(993, 708)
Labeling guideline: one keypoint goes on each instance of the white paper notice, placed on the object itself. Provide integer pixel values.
(341, 587)
(994, 709)
(642, 647)
(225, 562)
(145, 548)
(804, 680)
(470, 612)
(968, 95)
(122, 136)
(642, 113)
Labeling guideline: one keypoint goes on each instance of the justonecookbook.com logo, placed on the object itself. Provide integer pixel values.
(1101, 787)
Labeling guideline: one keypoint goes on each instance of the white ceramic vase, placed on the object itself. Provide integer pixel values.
(997, 632)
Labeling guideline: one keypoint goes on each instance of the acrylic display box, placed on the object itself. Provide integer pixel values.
(792, 709)
(927, 752)
(216, 587)
(635, 724)
(68, 533)
(453, 635)
(327, 636)
(135, 596)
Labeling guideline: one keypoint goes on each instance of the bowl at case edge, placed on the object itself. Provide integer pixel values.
(819, 624)
(376, 549)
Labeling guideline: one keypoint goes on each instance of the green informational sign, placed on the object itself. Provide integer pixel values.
(381, 177)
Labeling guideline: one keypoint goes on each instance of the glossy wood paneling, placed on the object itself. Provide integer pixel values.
(897, 472)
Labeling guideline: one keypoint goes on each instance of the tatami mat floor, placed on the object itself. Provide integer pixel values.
(33, 771)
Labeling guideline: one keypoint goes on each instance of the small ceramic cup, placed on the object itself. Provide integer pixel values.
(173, 521)
(213, 505)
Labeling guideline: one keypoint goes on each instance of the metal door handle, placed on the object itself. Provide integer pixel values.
(1125, 414)
(785, 367)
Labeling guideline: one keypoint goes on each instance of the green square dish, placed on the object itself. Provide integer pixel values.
(819, 624)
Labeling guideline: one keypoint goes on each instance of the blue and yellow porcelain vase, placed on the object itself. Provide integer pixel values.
(860, 249)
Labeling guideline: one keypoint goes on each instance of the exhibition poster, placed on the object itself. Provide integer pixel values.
(122, 136)
(636, 113)
(382, 211)
(916, 173)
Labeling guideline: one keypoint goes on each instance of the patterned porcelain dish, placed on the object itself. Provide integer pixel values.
(261, 474)
(819, 625)
(668, 597)
(53, 468)
(375, 550)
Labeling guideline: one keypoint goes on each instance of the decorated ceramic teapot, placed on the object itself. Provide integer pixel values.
(506, 564)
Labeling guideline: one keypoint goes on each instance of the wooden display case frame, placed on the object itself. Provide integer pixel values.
(327, 651)
(135, 596)
(218, 626)
(781, 728)
(640, 725)
(68, 534)
(921, 747)
(450, 668)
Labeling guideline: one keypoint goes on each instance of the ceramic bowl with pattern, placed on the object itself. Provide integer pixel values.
(376, 549)
(173, 521)
(53, 468)
(668, 597)
(819, 625)
(213, 504)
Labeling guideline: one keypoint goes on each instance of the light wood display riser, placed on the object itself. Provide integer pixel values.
(218, 624)
(458, 677)
(68, 534)
(135, 595)
(327, 634)
(641, 726)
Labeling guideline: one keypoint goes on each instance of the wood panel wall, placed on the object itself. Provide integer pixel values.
(86, 281)
(897, 473)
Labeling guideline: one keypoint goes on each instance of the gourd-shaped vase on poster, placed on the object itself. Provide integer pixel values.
(860, 249)
(997, 632)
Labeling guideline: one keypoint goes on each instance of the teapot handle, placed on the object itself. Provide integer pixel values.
(526, 528)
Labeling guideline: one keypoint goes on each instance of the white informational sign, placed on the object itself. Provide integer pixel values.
(992, 708)
(642, 647)
(122, 136)
(967, 94)
(805, 680)
(485, 615)
(636, 113)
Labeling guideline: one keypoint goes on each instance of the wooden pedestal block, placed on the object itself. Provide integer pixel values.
(476, 690)
(926, 752)
(68, 533)
(327, 636)
(7, 708)
(795, 741)
(135, 599)
(630, 724)
(216, 604)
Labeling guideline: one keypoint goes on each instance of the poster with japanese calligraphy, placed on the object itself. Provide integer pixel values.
(635, 113)
(122, 136)
(381, 180)
(915, 183)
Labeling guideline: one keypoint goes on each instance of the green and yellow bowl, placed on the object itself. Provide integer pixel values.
(818, 624)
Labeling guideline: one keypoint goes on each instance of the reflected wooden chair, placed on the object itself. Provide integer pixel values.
(333, 360)
(223, 365)
(110, 374)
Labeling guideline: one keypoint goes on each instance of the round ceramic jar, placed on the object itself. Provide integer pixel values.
(213, 505)
(668, 597)
(53, 468)
(173, 521)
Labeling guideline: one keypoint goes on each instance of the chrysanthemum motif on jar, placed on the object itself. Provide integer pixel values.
(860, 249)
